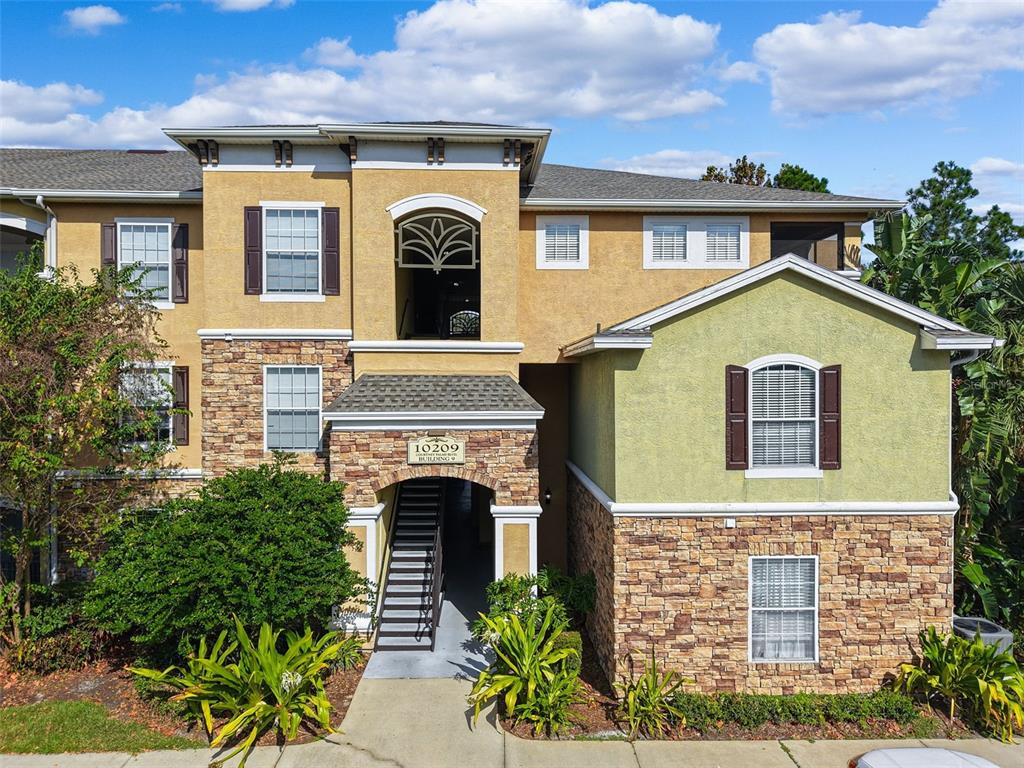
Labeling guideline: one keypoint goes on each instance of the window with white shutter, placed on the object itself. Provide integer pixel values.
(722, 242)
(783, 609)
(562, 242)
(668, 242)
(783, 416)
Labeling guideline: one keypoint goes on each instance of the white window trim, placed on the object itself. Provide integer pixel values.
(793, 472)
(583, 222)
(319, 408)
(750, 609)
(167, 303)
(155, 365)
(696, 242)
(288, 205)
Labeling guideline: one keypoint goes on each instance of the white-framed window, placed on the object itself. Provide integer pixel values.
(292, 398)
(563, 242)
(144, 247)
(292, 244)
(149, 388)
(694, 242)
(783, 417)
(783, 613)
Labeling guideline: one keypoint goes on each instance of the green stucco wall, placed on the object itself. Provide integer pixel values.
(592, 418)
(669, 420)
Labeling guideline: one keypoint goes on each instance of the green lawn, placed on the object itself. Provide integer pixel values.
(77, 726)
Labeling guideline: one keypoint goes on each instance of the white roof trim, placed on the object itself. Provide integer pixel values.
(563, 204)
(600, 341)
(436, 200)
(763, 509)
(771, 268)
(105, 194)
(23, 223)
(933, 338)
(358, 421)
(342, 334)
(422, 345)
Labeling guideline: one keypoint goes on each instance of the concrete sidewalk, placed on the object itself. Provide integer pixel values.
(426, 724)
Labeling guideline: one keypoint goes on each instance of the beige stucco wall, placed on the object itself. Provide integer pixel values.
(225, 196)
(373, 260)
(435, 362)
(559, 306)
(669, 401)
(78, 244)
(516, 548)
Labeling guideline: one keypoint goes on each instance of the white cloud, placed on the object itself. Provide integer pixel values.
(686, 164)
(46, 104)
(456, 60)
(843, 64)
(999, 182)
(249, 5)
(741, 71)
(997, 166)
(92, 19)
(337, 54)
(167, 8)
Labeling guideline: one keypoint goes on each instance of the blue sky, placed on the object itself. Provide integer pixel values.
(869, 94)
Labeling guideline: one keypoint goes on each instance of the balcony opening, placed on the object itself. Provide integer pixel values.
(820, 242)
(437, 276)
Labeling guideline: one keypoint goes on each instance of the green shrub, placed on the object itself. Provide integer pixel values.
(707, 711)
(264, 544)
(648, 700)
(255, 686)
(577, 593)
(570, 638)
(529, 672)
(988, 684)
(350, 653)
(54, 609)
(515, 594)
(69, 649)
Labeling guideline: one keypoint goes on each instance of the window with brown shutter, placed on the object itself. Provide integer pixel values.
(330, 223)
(179, 264)
(829, 417)
(108, 246)
(179, 382)
(736, 415)
(253, 249)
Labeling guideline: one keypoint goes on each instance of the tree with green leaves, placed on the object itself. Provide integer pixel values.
(67, 348)
(796, 177)
(956, 278)
(945, 198)
(743, 171)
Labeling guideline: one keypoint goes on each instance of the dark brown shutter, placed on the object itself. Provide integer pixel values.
(829, 418)
(108, 246)
(330, 223)
(179, 424)
(253, 249)
(179, 263)
(736, 414)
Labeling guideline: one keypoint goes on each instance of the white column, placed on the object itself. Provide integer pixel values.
(512, 515)
(367, 518)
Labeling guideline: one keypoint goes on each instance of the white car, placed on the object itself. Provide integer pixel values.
(920, 757)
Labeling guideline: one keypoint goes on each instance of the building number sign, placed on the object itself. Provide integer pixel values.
(437, 450)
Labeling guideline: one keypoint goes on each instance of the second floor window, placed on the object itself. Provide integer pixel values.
(563, 242)
(145, 248)
(723, 242)
(292, 412)
(668, 242)
(149, 389)
(783, 415)
(292, 248)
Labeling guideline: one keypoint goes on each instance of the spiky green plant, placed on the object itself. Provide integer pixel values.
(255, 686)
(648, 700)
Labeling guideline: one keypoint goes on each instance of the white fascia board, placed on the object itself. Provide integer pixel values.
(932, 338)
(763, 509)
(23, 223)
(560, 204)
(531, 512)
(420, 345)
(182, 473)
(285, 334)
(599, 342)
(365, 514)
(772, 267)
(413, 131)
(418, 420)
(111, 195)
(182, 135)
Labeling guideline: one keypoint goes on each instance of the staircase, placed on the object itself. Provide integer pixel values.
(411, 604)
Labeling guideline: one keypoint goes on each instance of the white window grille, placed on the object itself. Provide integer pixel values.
(292, 248)
(783, 609)
(292, 396)
(784, 416)
(145, 249)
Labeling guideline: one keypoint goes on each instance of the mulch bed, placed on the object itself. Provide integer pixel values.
(108, 683)
(595, 716)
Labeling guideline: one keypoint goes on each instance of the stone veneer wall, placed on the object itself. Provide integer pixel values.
(232, 400)
(681, 586)
(504, 460)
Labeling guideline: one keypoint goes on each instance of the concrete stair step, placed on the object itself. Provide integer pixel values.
(406, 589)
(403, 644)
(407, 602)
(409, 576)
(400, 628)
(405, 615)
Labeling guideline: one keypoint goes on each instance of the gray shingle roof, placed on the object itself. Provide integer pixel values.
(377, 393)
(567, 182)
(100, 169)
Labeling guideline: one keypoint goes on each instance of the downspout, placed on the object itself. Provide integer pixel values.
(51, 232)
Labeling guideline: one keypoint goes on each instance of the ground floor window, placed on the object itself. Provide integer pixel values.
(292, 417)
(783, 608)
